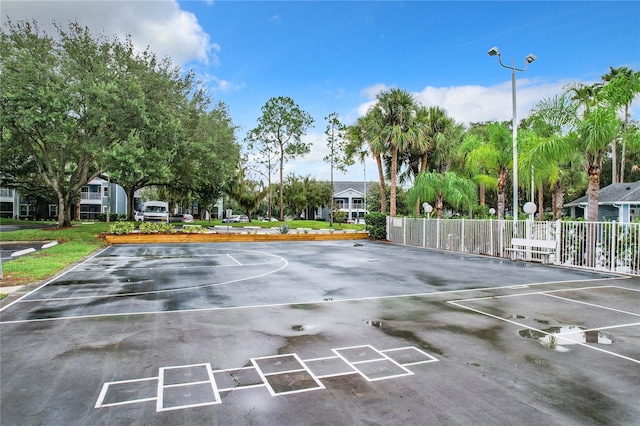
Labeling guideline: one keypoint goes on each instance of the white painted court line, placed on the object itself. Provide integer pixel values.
(161, 388)
(430, 358)
(105, 388)
(234, 259)
(543, 293)
(161, 383)
(55, 278)
(161, 268)
(275, 305)
(590, 304)
(608, 278)
(304, 368)
(383, 358)
(141, 293)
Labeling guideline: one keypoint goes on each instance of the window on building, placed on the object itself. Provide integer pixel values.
(358, 203)
(53, 210)
(90, 192)
(105, 191)
(6, 192)
(24, 209)
(340, 203)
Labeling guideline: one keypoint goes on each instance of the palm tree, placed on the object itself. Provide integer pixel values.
(248, 194)
(491, 150)
(396, 113)
(549, 149)
(362, 141)
(441, 188)
(621, 88)
(582, 123)
(596, 129)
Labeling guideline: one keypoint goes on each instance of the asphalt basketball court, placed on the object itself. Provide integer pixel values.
(343, 332)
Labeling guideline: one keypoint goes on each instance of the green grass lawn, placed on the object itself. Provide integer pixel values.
(80, 240)
(73, 244)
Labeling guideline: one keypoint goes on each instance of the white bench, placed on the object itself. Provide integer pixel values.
(544, 248)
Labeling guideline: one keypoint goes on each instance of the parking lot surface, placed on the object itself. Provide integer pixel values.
(343, 332)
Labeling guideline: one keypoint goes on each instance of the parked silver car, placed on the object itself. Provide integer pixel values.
(182, 217)
(235, 218)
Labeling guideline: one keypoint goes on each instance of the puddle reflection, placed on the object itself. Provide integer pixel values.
(559, 337)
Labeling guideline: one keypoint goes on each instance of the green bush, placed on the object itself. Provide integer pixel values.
(376, 224)
(340, 216)
(192, 229)
(159, 227)
(112, 217)
(120, 228)
(284, 229)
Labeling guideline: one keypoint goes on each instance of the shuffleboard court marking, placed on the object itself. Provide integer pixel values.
(460, 304)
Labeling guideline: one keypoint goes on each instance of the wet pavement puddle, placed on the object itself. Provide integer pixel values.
(559, 337)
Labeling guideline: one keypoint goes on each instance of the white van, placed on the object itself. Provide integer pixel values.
(155, 211)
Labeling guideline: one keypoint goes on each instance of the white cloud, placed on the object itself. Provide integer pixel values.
(161, 25)
(469, 104)
(217, 84)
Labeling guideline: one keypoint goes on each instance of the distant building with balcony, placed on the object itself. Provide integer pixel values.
(349, 197)
(9, 201)
(95, 198)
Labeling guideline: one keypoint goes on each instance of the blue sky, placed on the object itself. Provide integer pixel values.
(335, 56)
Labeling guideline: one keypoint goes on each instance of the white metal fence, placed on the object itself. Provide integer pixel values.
(607, 246)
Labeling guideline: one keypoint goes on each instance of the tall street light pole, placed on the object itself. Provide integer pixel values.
(494, 51)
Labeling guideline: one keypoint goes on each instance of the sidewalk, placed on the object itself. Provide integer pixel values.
(9, 290)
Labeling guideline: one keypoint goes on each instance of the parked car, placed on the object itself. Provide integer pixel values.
(235, 218)
(183, 217)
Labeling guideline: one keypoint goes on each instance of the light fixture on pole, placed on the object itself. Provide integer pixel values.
(494, 51)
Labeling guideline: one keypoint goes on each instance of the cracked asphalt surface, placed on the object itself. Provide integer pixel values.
(319, 333)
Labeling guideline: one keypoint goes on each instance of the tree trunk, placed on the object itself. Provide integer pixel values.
(130, 193)
(394, 172)
(383, 186)
(77, 205)
(592, 197)
(623, 155)
(502, 183)
(281, 185)
(501, 203)
(540, 201)
(559, 202)
(64, 219)
(439, 206)
(614, 160)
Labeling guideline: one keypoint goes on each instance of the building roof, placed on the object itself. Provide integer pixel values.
(617, 193)
(342, 186)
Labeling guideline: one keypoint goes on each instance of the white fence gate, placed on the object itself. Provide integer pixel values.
(602, 246)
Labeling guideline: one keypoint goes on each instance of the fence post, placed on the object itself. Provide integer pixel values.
(558, 235)
(491, 237)
(462, 250)
(437, 233)
(404, 230)
(614, 232)
(424, 232)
